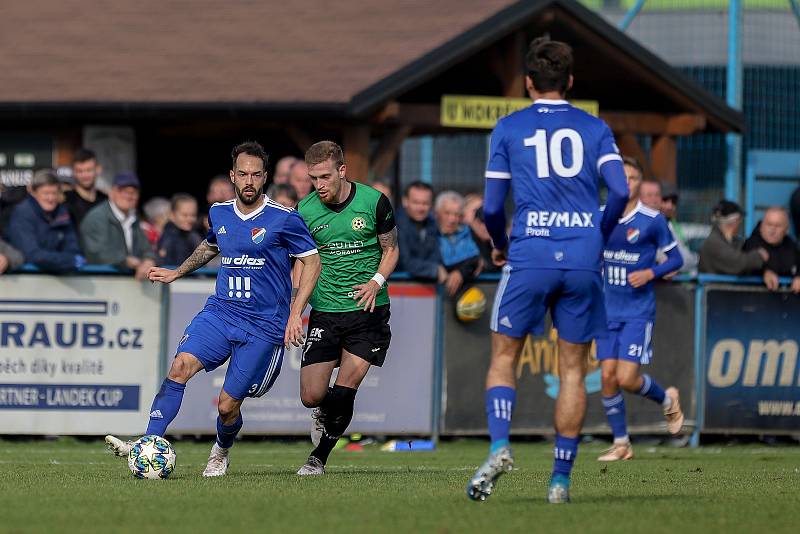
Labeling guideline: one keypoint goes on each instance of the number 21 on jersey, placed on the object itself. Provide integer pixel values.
(549, 154)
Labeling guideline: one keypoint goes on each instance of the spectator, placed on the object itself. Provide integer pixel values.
(156, 215)
(10, 196)
(220, 189)
(722, 252)
(794, 207)
(650, 193)
(771, 234)
(282, 170)
(418, 235)
(66, 182)
(384, 186)
(669, 209)
(111, 233)
(472, 203)
(283, 194)
(300, 180)
(10, 258)
(179, 238)
(84, 195)
(460, 255)
(42, 229)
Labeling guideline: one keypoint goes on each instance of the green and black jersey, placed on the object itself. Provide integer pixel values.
(347, 240)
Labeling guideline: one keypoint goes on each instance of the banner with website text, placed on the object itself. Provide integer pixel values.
(80, 355)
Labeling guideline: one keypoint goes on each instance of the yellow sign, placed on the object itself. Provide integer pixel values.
(465, 111)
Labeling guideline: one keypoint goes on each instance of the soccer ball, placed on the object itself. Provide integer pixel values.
(151, 457)
(471, 305)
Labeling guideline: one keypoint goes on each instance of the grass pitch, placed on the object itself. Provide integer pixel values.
(66, 485)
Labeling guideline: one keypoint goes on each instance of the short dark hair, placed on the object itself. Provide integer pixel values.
(549, 64)
(276, 190)
(251, 148)
(417, 185)
(177, 198)
(82, 155)
(323, 151)
(633, 162)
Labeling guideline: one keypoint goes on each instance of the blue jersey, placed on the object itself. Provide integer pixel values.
(254, 287)
(552, 152)
(632, 246)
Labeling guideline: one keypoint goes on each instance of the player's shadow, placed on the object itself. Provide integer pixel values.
(601, 499)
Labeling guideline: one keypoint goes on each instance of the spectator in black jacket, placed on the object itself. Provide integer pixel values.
(418, 235)
(771, 234)
(179, 239)
(42, 229)
(84, 195)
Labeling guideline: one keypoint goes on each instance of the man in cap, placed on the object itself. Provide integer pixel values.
(111, 232)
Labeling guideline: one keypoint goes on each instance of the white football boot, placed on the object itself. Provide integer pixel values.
(312, 467)
(217, 462)
(119, 447)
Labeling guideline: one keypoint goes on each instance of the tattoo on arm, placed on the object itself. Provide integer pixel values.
(203, 254)
(389, 239)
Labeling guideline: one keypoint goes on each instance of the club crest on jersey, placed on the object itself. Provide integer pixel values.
(358, 223)
(257, 234)
(632, 235)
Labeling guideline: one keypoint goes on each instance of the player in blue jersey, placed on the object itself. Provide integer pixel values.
(251, 317)
(629, 271)
(551, 155)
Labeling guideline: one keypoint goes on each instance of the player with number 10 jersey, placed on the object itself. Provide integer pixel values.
(551, 155)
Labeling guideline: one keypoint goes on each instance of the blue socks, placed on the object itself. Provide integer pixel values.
(500, 402)
(651, 390)
(615, 412)
(165, 407)
(227, 433)
(565, 451)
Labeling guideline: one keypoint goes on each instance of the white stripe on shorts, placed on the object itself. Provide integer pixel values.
(501, 288)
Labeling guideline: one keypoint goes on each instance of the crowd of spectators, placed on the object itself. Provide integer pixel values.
(62, 221)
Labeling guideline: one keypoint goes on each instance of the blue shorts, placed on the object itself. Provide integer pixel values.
(574, 298)
(255, 363)
(630, 341)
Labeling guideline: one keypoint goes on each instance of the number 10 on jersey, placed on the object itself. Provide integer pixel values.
(550, 155)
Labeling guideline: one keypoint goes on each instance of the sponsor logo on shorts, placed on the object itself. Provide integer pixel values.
(315, 334)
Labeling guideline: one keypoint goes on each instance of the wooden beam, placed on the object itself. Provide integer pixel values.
(665, 159)
(299, 137)
(387, 150)
(622, 122)
(506, 63)
(629, 146)
(356, 151)
(421, 115)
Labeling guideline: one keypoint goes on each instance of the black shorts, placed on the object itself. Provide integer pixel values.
(364, 334)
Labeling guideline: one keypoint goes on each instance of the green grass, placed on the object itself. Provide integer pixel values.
(67, 485)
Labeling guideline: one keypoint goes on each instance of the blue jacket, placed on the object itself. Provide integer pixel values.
(458, 246)
(419, 247)
(47, 240)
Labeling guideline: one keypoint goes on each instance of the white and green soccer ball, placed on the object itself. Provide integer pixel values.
(151, 457)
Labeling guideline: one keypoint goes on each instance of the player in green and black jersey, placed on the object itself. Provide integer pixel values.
(354, 228)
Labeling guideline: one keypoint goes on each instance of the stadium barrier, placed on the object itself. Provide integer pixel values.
(88, 357)
(80, 354)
